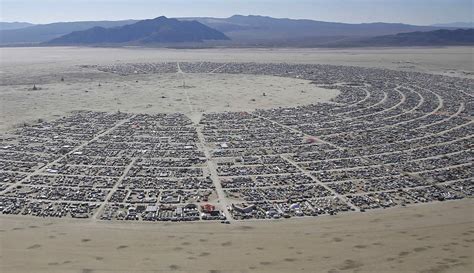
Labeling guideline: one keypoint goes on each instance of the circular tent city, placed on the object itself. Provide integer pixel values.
(386, 139)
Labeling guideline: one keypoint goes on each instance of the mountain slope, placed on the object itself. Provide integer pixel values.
(158, 30)
(14, 25)
(43, 33)
(456, 25)
(263, 28)
(440, 37)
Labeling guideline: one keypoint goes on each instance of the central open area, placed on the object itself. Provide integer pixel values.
(190, 93)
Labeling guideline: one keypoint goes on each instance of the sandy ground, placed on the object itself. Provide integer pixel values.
(426, 238)
(153, 94)
(22, 67)
(435, 60)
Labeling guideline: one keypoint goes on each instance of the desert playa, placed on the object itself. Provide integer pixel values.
(425, 238)
(86, 88)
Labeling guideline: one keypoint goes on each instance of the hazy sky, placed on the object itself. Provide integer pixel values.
(421, 12)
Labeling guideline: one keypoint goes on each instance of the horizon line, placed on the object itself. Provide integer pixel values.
(189, 17)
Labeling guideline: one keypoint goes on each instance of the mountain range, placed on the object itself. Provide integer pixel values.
(158, 30)
(264, 28)
(456, 25)
(14, 25)
(44, 33)
(236, 30)
(442, 37)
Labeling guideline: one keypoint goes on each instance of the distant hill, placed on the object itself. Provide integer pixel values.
(158, 30)
(440, 37)
(14, 25)
(254, 28)
(456, 25)
(43, 33)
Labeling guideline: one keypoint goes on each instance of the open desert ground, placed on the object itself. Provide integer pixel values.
(86, 88)
(427, 238)
(435, 237)
(154, 94)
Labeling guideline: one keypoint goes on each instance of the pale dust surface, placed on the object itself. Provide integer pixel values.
(426, 238)
(191, 94)
(21, 68)
(427, 59)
